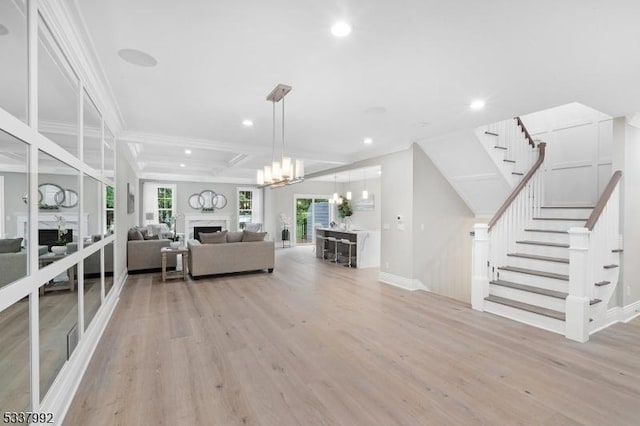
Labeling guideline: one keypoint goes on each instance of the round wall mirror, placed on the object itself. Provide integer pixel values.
(50, 193)
(67, 198)
(196, 201)
(220, 201)
(208, 199)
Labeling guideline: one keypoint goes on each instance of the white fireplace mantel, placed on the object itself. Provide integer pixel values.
(205, 219)
(48, 221)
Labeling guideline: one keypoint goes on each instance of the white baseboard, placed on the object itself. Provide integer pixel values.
(411, 284)
(60, 395)
(619, 314)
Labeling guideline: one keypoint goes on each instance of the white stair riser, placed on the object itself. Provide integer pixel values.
(528, 297)
(556, 225)
(534, 280)
(571, 213)
(547, 237)
(542, 250)
(538, 265)
(530, 318)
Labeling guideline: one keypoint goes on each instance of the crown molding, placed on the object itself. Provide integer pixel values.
(235, 148)
(70, 31)
(169, 177)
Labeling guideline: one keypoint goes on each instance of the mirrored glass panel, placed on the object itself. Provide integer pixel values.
(59, 219)
(58, 325)
(108, 268)
(13, 51)
(92, 202)
(14, 357)
(92, 134)
(109, 153)
(92, 264)
(57, 93)
(110, 206)
(14, 208)
(92, 286)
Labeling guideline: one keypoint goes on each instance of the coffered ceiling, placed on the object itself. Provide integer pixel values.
(408, 71)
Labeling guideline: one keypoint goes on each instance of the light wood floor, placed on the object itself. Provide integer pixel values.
(315, 343)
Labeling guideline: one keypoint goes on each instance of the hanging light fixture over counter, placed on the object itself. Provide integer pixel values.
(285, 170)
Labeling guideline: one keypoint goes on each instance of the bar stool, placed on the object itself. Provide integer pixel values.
(334, 240)
(322, 241)
(350, 244)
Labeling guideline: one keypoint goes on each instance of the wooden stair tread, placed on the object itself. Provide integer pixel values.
(542, 243)
(594, 301)
(530, 289)
(491, 134)
(610, 266)
(617, 251)
(537, 273)
(602, 283)
(566, 219)
(538, 257)
(567, 207)
(526, 307)
(500, 147)
(550, 231)
(517, 173)
(509, 161)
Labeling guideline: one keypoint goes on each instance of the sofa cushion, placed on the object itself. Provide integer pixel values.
(151, 237)
(234, 237)
(10, 245)
(213, 237)
(134, 234)
(248, 236)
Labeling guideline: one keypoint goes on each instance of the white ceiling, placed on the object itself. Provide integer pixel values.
(353, 175)
(407, 72)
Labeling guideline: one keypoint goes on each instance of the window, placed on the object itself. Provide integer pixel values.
(110, 208)
(165, 204)
(245, 208)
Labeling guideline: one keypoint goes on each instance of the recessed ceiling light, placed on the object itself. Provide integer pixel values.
(182, 165)
(137, 57)
(3, 30)
(341, 29)
(247, 123)
(368, 141)
(477, 104)
(187, 151)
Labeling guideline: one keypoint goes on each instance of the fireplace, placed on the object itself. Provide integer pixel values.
(46, 237)
(205, 230)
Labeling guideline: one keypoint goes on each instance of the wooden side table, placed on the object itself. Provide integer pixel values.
(164, 251)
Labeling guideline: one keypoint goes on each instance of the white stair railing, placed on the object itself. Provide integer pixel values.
(494, 240)
(594, 265)
(512, 135)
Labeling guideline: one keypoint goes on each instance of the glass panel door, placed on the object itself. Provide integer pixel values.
(311, 212)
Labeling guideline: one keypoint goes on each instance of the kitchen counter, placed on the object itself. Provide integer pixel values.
(367, 248)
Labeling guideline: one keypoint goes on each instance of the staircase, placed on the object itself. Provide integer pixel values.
(555, 268)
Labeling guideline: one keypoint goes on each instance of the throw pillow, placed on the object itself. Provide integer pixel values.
(134, 234)
(10, 245)
(234, 237)
(248, 236)
(151, 237)
(213, 237)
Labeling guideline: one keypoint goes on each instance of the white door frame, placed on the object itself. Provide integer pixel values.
(2, 213)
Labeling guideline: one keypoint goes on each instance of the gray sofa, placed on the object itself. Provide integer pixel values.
(13, 266)
(145, 254)
(209, 259)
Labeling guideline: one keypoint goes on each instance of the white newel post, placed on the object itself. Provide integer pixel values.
(479, 262)
(577, 305)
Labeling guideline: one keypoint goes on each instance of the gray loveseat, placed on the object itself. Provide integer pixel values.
(209, 259)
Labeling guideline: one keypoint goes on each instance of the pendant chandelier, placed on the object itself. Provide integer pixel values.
(283, 170)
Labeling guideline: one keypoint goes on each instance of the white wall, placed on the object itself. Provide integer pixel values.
(125, 174)
(442, 221)
(578, 157)
(365, 219)
(626, 141)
